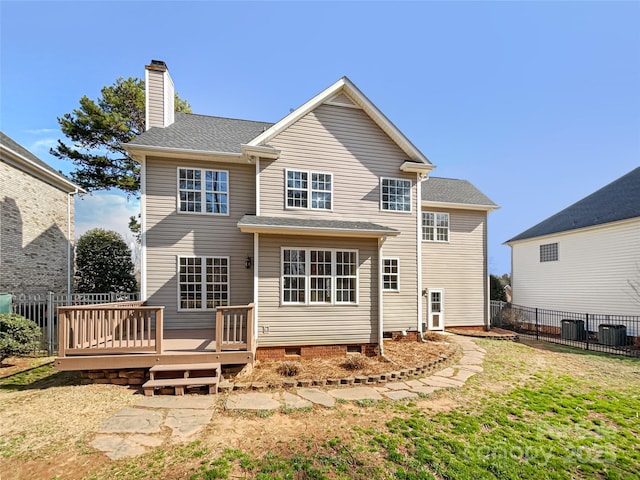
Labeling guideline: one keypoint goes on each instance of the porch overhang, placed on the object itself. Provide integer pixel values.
(313, 227)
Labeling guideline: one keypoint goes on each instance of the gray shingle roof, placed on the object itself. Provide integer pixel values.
(203, 133)
(315, 224)
(449, 190)
(16, 147)
(620, 200)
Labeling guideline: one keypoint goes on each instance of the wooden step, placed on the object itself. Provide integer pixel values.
(180, 383)
(184, 366)
(189, 377)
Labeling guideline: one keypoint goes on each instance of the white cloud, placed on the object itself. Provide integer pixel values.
(107, 210)
(42, 146)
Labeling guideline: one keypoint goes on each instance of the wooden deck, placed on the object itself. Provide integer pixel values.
(132, 335)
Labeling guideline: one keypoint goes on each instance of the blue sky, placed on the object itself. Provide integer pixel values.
(537, 104)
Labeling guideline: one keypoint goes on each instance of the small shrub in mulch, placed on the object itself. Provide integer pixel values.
(356, 362)
(289, 369)
(434, 337)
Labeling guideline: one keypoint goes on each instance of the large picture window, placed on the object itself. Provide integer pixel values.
(309, 190)
(395, 194)
(203, 191)
(319, 276)
(435, 227)
(203, 282)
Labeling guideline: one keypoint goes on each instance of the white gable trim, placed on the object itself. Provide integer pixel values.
(344, 84)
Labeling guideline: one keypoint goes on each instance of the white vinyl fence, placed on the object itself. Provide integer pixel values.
(42, 309)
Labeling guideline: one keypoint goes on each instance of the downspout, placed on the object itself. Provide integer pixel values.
(256, 256)
(69, 266)
(420, 178)
(380, 298)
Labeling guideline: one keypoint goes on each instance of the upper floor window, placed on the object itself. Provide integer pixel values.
(435, 227)
(309, 190)
(203, 191)
(549, 252)
(395, 194)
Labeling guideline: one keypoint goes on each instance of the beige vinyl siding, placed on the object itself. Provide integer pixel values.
(156, 98)
(316, 324)
(458, 267)
(347, 143)
(591, 275)
(171, 234)
(342, 99)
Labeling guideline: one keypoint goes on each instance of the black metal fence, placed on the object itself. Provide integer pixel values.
(42, 310)
(618, 334)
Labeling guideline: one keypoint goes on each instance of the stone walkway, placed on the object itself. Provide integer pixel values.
(133, 430)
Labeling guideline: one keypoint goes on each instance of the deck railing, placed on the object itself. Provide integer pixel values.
(132, 327)
(123, 327)
(234, 328)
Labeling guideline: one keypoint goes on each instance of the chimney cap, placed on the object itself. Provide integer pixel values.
(157, 65)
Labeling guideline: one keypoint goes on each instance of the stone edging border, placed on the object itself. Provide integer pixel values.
(442, 360)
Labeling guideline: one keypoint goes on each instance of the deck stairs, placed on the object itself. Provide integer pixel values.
(181, 376)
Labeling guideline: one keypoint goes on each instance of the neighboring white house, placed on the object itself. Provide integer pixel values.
(585, 258)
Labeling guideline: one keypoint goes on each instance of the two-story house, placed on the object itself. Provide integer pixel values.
(327, 220)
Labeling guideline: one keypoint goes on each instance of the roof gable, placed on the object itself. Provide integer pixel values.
(342, 92)
(619, 200)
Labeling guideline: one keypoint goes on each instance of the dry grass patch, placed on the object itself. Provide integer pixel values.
(43, 417)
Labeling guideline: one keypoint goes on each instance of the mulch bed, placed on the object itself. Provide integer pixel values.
(398, 355)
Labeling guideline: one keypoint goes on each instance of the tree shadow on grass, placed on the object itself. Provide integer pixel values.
(39, 378)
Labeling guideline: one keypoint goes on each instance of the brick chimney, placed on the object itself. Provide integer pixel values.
(159, 94)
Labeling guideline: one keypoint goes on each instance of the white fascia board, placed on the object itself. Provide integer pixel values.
(460, 206)
(414, 167)
(361, 100)
(260, 151)
(136, 150)
(564, 233)
(66, 185)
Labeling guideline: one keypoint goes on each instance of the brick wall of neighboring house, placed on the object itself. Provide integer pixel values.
(33, 233)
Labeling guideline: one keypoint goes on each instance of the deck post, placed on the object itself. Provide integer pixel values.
(159, 329)
(249, 332)
(63, 340)
(219, 325)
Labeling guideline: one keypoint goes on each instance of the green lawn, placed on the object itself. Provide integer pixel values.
(534, 413)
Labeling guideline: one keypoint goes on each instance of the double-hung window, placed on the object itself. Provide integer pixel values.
(435, 227)
(395, 194)
(311, 275)
(391, 274)
(203, 191)
(203, 282)
(309, 190)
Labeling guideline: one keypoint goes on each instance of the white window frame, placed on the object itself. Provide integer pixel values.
(203, 191)
(396, 274)
(309, 190)
(435, 229)
(409, 202)
(549, 252)
(308, 276)
(203, 282)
